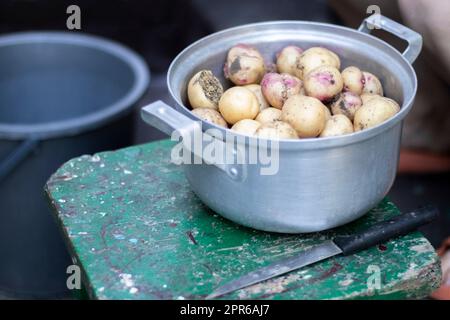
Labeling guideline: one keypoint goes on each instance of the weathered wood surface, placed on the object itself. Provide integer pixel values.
(139, 232)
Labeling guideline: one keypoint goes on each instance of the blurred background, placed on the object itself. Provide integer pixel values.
(158, 30)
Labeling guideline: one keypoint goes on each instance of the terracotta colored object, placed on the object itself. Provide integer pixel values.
(416, 161)
(443, 293)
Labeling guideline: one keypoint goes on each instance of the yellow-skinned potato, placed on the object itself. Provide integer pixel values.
(238, 103)
(353, 80)
(323, 83)
(244, 65)
(305, 114)
(394, 103)
(372, 85)
(269, 115)
(204, 90)
(366, 97)
(288, 61)
(256, 89)
(327, 113)
(276, 130)
(346, 103)
(374, 112)
(210, 115)
(246, 126)
(315, 57)
(338, 125)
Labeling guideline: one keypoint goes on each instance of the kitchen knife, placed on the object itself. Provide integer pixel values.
(345, 245)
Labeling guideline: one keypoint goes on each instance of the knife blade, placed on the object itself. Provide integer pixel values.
(345, 245)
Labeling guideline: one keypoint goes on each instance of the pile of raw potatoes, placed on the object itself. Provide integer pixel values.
(307, 97)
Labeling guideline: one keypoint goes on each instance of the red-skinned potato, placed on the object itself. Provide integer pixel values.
(204, 90)
(277, 88)
(346, 103)
(372, 85)
(238, 103)
(276, 130)
(210, 115)
(323, 83)
(316, 57)
(305, 114)
(244, 65)
(353, 80)
(288, 61)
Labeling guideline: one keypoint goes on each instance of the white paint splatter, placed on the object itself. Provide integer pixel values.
(95, 158)
(421, 248)
(134, 290)
(69, 177)
(125, 171)
(126, 279)
(346, 282)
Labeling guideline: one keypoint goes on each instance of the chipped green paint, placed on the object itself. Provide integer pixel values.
(139, 232)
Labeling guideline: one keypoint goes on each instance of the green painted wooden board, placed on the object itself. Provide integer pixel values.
(139, 232)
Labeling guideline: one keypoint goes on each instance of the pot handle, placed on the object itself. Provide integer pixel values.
(18, 155)
(165, 118)
(413, 38)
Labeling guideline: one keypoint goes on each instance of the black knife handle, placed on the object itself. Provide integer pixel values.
(383, 231)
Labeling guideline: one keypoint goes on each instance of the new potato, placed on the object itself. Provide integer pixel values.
(338, 125)
(244, 65)
(323, 83)
(277, 88)
(327, 113)
(238, 103)
(346, 103)
(353, 80)
(276, 130)
(372, 85)
(257, 90)
(287, 100)
(210, 115)
(374, 112)
(246, 126)
(269, 115)
(316, 57)
(204, 90)
(288, 61)
(367, 96)
(305, 114)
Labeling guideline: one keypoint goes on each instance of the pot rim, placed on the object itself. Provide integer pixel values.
(76, 125)
(306, 143)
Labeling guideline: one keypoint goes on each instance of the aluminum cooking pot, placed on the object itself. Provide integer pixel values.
(321, 183)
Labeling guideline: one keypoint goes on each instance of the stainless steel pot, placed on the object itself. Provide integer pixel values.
(321, 183)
